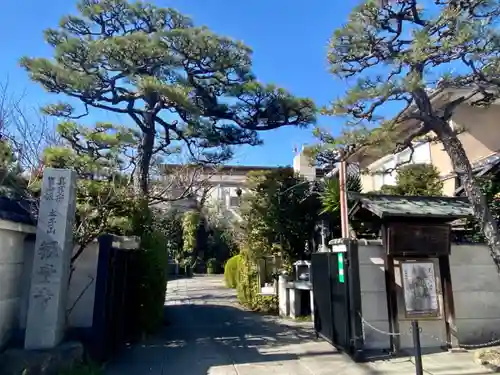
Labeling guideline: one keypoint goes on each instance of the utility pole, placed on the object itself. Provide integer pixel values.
(344, 214)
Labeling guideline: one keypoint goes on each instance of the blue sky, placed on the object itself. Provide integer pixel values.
(289, 40)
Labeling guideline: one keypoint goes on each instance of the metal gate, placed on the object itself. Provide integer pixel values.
(337, 299)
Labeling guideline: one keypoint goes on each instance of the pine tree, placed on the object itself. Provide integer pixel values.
(399, 54)
(182, 86)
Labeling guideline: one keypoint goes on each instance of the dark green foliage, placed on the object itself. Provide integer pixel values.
(231, 271)
(86, 368)
(416, 179)
(280, 212)
(221, 243)
(279, 216)
(248, 287)
(330, 193)
(490, 186)
(170, 224)
(182, 85)
(149, 279)
(330, 201)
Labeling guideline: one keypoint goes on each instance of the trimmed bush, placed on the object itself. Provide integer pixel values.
(248, 289)
(150, 282)
(231, 271)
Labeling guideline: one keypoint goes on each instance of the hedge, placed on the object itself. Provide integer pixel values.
(248, 289)
(231, 271)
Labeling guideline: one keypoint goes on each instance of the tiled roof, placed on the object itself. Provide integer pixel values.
(384, 206)
(482, 167)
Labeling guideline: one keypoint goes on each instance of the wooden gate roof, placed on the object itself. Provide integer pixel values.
(392, 206)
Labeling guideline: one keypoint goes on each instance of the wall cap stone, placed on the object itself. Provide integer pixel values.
(340, 241)
(126, 242)
(17, 227)
(365, 242)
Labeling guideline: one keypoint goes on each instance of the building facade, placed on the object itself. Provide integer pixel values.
(223, 187)
(479, 133)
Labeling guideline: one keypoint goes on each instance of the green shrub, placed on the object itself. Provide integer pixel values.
(231, 271)
(152, 266)
(248, 289)
(148, 275)
(190, 224)
(83, 369)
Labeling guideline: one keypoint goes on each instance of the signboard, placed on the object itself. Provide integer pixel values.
(405, 239)
(419, 287)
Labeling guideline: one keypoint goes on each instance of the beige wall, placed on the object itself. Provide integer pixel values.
(367, 183)
(480, 139)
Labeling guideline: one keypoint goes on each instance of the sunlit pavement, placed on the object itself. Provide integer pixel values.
(208, 333)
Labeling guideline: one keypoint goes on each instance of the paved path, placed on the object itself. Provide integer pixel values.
(210, 335)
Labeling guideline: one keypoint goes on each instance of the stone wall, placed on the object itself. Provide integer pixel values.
(16, 263)
(373, 293)
(476, 293)
(12, 260)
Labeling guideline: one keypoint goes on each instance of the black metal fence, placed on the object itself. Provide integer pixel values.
(337, 299)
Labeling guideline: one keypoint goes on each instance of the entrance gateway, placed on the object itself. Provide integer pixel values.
(403, 275)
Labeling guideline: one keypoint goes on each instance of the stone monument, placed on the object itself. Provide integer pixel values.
(51, 264)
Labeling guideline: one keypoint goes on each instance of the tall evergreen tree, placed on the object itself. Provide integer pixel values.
(181, 85)
(401, 53)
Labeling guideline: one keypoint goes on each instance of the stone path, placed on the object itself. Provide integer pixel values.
(210, 335)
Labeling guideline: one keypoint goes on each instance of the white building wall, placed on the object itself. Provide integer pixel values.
(421, 155)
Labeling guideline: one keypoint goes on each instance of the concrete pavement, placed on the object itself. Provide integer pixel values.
(209, 334)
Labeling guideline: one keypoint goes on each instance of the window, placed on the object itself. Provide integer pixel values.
(234, 201)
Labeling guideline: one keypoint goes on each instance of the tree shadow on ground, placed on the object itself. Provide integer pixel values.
(201, 337)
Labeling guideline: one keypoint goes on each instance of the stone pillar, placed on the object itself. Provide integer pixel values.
(295, 303)
(283, 296)
(51, 263)
(311, 294)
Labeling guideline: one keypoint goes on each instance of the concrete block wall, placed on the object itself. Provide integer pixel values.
(81, 291)
(476, 293)
(16, 263)
(12, 258)
(373, 293)
(374, 302)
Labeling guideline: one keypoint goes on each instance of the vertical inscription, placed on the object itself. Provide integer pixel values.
(48, 250)
(48, 195)
(53, 248)
(52, 221)
(61, 188)
(43, 295)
